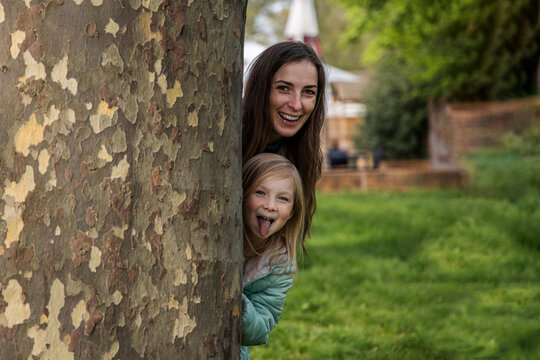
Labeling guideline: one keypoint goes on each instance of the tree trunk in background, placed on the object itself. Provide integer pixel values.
(120, 186)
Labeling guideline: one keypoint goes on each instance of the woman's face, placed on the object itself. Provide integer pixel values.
(293, 93)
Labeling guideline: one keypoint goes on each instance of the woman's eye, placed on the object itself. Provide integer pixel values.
(310, 92)
(282, 87)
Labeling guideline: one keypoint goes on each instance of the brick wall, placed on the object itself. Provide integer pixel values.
(392, 177)
(458, 129)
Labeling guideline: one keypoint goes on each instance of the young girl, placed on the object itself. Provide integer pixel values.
(274, 216)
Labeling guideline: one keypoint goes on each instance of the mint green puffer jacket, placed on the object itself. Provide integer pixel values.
(264, 298)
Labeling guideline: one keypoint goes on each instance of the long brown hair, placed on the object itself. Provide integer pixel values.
(303, 149)
(290, 236)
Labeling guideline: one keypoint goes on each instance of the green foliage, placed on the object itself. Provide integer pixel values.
(458, 49)
(527, 143)
(397, 117)
(421, 275)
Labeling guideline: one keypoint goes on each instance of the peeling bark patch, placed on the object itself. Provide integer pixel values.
(91, 217)
(43, 161)
(180, 277)
(144, 26)
(80, 247)
(168, 42)
(156, 179)
(184, 324)
(59, 75)
(91, 30)
(95, 259)
(194, 274)
(19, 190)
(119, 143)
(33, 69)
(48, 343)
(109, 355)
(112, 56)
(221, 125)
(112, 28)
(13, 218)
(117, 297)
(16, 311)
(193, 119)
(112, 261)
(28, 22)
(17, 38)
(104, 117)
(51, 116)
(79, 314)
(2, 14)
(95, 317)
(202, 29)
(177, 199)
(21, 254)
(173, 303)
(174, 93)
(189, 254)
(30, 134)
(121, 170)
(190, 211)
(152, 4)
(162, 82)
(104, 155)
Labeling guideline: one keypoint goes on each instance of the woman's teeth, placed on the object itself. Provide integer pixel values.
(289, 117)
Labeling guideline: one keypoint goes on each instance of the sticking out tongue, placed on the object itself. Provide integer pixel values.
(264, 225)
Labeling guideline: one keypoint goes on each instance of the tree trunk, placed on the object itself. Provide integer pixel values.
(120, 186)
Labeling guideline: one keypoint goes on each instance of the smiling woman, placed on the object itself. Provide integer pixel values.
(283, 112)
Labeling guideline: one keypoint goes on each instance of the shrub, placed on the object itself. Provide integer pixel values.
(397, 116)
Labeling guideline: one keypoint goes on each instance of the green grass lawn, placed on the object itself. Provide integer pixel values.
(420, 275)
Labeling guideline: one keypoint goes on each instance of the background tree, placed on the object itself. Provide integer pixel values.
(459, 50)
(396, 122)
(120, 189)
(453, 50)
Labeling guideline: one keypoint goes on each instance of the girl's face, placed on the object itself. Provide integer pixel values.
(268, 208)
(293, 93)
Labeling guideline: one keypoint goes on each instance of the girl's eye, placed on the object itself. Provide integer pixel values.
(259, 192)
(283, 198)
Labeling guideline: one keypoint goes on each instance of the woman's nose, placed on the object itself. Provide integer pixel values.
(295, 102)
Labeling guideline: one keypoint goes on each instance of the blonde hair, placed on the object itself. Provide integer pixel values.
(259, 168)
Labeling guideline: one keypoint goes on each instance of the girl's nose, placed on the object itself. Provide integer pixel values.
(270, 204)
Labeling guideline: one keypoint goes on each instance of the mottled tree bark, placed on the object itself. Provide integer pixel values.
(120, 188)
